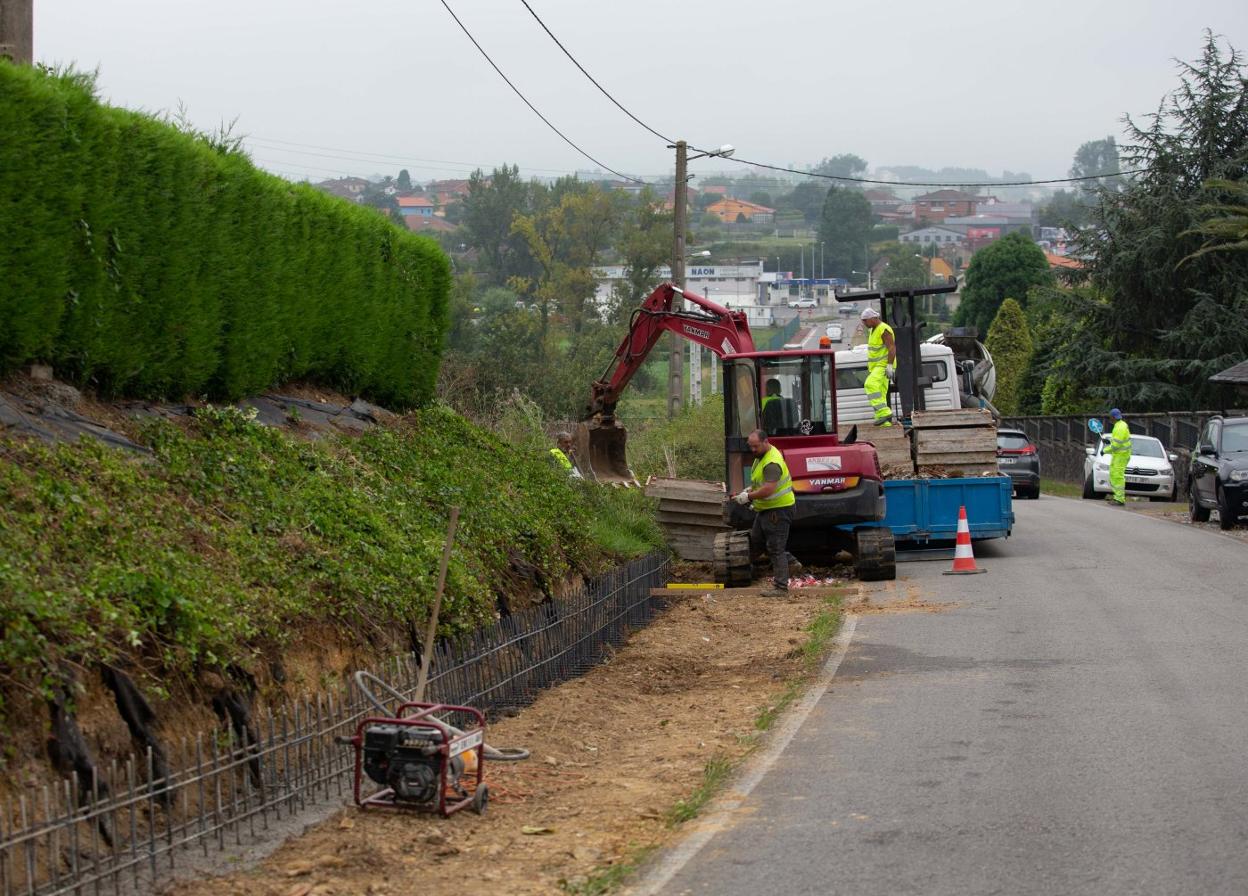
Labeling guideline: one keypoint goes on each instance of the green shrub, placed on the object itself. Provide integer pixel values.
(693, 442)
(146, 261)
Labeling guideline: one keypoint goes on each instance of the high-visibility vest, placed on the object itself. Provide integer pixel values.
(1120, 439)
(558, 455)
(783, 495)
(877, 351)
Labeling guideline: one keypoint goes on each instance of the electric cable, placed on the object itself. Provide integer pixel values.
(592, 79)
(837, 177)
(516, 90)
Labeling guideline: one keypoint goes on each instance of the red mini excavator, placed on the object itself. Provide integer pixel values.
(789, 394)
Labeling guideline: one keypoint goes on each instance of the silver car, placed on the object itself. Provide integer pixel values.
(1149, 471)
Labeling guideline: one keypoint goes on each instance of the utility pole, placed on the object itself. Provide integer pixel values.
(680, 200)
(17, 29)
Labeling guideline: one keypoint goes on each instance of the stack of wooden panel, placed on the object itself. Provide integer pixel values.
(955, 443)
(892, 444)
(691, 513)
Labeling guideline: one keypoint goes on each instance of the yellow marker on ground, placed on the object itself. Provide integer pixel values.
(700, 587)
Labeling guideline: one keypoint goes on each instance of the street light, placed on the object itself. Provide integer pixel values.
(680, 214)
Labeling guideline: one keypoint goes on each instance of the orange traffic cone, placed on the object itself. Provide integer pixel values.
(963, 556)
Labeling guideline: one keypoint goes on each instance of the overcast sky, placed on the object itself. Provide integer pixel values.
(994, 84)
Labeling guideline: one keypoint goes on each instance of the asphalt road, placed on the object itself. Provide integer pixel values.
(1075, 724)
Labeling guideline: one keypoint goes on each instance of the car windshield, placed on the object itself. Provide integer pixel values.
(1234, 437)
(1149, 447)
(1011, 441)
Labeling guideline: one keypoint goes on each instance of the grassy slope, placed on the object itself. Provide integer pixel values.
(237, 535)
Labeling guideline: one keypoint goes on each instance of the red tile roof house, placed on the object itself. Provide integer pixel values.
(933, 208)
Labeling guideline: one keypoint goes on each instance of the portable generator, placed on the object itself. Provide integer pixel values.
(421, 762)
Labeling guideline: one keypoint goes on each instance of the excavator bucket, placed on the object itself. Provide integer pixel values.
(600, 453)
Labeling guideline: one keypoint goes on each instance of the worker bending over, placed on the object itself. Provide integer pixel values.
(881, 356)
(562, 453)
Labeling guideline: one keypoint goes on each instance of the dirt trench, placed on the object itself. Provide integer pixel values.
(613, 752)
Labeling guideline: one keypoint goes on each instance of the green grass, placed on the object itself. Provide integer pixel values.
(1061, 489)
(220, 550)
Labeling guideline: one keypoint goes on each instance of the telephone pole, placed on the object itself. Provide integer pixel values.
(17, 29)
(680, 206)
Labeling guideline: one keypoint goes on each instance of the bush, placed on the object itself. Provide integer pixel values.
(150, 262)
(694, 442)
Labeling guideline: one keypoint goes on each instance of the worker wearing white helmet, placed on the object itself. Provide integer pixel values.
(881, 356)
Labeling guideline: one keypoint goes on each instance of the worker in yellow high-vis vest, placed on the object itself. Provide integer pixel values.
(881, 356)
(770, 492)
(562, 454)
(1119, 452)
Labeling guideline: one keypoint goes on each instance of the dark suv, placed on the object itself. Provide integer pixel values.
(1219, 478)
(1017, 458)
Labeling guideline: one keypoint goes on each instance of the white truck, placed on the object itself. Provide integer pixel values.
(946, 391)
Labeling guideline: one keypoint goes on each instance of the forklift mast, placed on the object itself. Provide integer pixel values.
(899, 310)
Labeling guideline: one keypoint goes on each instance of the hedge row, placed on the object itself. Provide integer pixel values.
(146, 261)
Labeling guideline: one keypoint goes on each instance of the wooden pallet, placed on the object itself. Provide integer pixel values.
(955, 443)
(691, 514)
(892, 444)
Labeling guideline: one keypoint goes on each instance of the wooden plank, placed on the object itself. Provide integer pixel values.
(690, 491)
(965, 417)
(974, 437)
(674, 506)
(983, 458)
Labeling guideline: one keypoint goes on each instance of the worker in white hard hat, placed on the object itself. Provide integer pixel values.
(881, 356)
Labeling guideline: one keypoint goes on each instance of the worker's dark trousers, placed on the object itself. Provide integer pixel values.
(771, 530)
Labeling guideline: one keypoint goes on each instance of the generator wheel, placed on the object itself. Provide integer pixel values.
(875, 559)
(730, 559)
(481, 799)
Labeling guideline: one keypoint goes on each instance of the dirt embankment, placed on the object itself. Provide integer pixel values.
(613, 752)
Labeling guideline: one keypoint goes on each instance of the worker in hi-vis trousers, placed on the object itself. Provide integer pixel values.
(1119, 454)
(881, 356)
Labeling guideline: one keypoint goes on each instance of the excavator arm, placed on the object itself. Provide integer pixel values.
(600, 441)
(710, 325)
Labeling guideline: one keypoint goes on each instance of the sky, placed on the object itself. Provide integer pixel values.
(325, 89)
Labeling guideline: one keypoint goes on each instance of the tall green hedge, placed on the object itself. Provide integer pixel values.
(146, 261)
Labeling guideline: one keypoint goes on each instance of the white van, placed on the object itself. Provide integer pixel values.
(851, 374)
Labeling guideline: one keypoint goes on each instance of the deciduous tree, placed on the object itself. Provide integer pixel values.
(1005, 269)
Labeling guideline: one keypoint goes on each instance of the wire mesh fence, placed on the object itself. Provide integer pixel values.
(126, 827)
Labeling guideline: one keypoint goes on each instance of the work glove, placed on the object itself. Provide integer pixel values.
(743, 497)
(891, 373)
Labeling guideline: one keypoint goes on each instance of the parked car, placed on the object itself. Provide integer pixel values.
(1219, 476)
(803, 303)
(1017, 458)
(1149, 473)
(847, 308)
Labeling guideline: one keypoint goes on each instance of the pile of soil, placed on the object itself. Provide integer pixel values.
(612, 753)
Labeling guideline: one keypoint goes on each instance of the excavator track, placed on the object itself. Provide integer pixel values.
(730, 559)
(875, 559)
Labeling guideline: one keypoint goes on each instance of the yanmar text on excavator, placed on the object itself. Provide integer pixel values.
(789, 394)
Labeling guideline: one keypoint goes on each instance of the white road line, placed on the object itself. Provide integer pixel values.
(721, 809)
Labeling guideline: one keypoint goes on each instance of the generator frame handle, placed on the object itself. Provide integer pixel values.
(451, 745)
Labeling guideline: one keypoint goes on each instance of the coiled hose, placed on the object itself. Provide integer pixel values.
(494, 754)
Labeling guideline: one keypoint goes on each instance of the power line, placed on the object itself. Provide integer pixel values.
(516, 89)
(857, 180)
(592, 79)
(365, 155)
(906, 183)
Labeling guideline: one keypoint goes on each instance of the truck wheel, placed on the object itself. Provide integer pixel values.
(875, 559)
(730, 559)
(1197, 513)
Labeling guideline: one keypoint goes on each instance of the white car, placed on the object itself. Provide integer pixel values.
(803, 303)
(1149, 473)
(835, 332)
